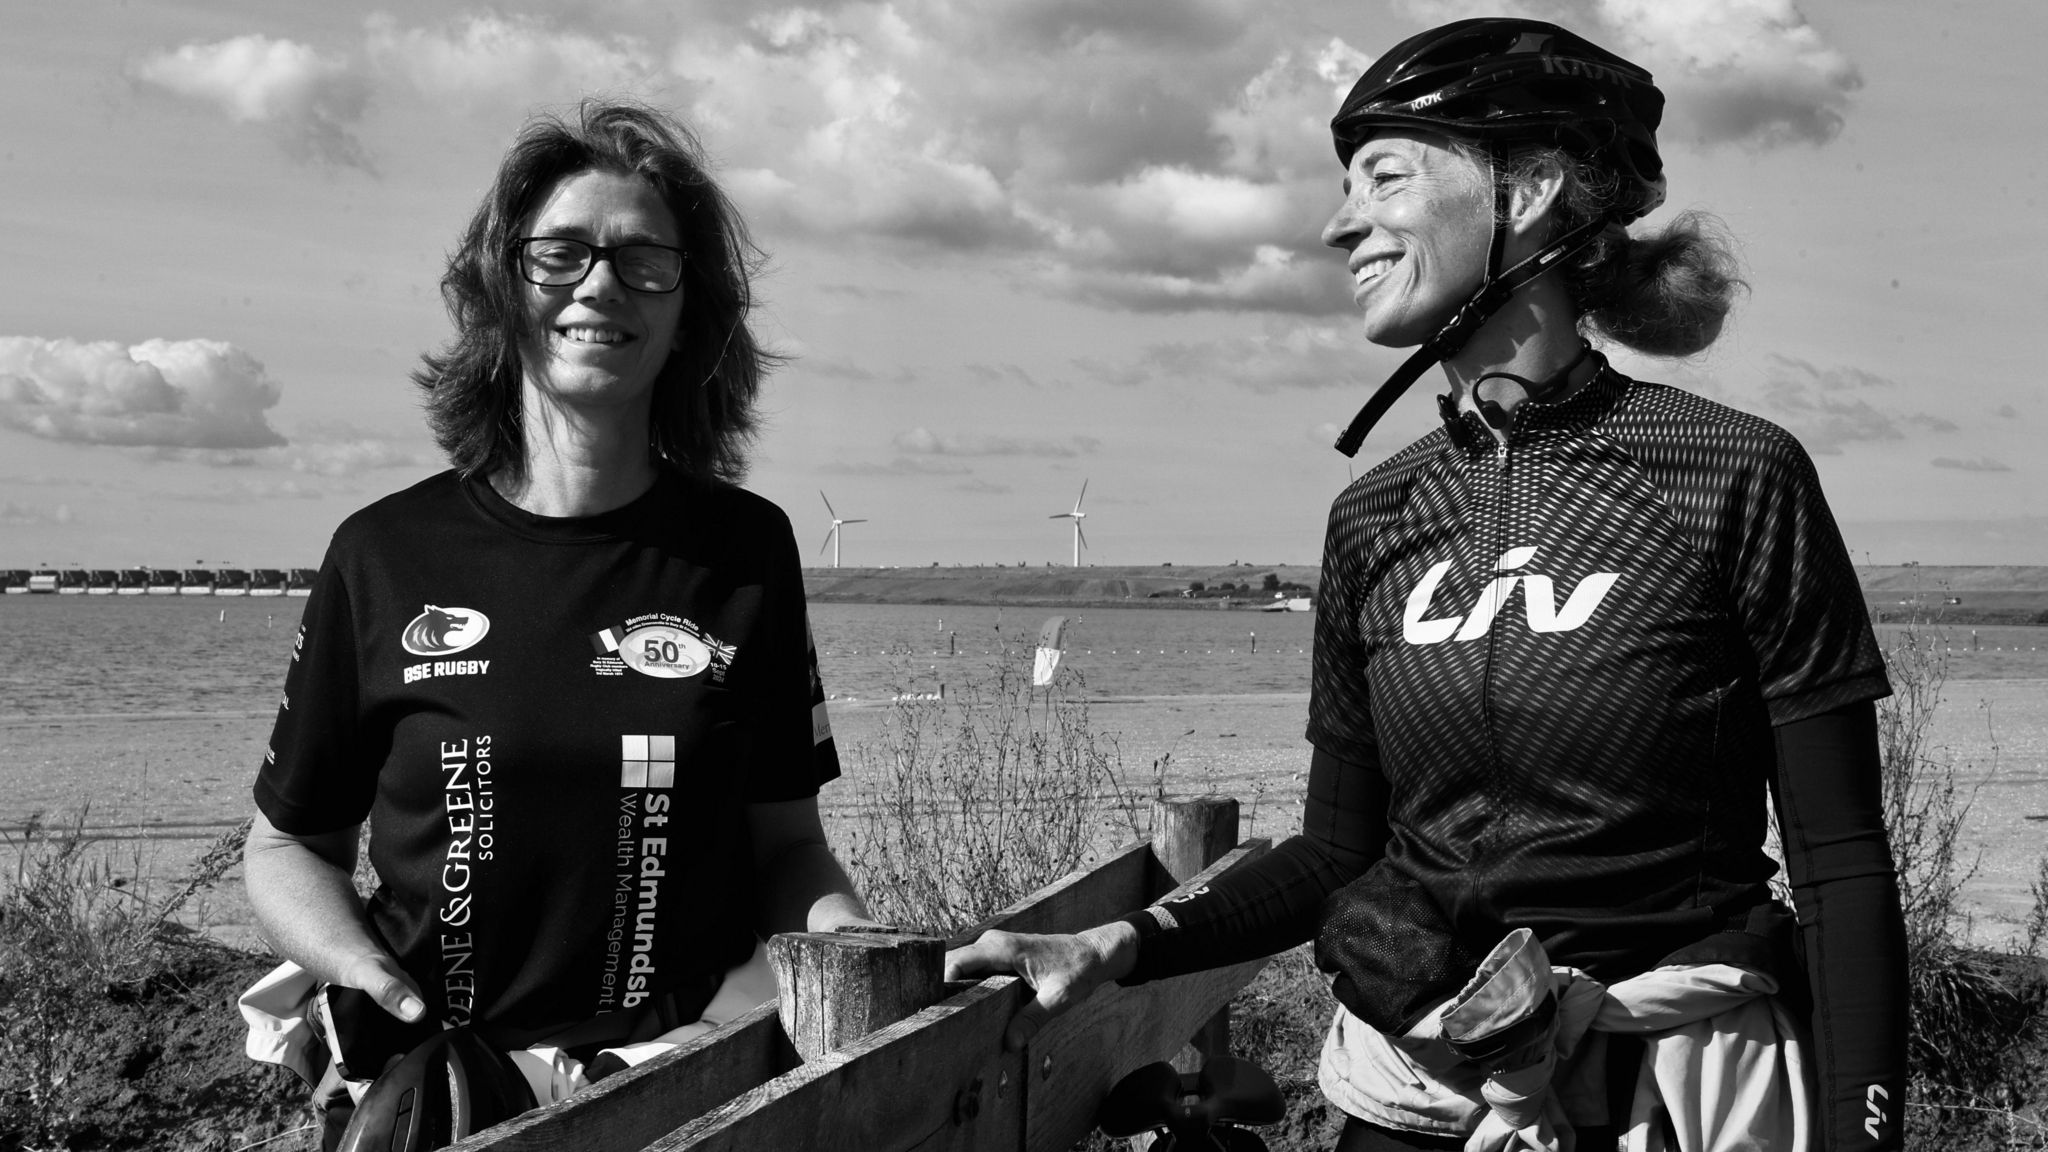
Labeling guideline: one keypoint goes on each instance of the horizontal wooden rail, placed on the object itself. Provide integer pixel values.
(936, 1079)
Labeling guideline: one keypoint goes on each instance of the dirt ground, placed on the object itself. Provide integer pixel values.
(167, 1071)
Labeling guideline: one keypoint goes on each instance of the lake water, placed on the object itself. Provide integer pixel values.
(130, 655)
(155, 710)
(135, 655)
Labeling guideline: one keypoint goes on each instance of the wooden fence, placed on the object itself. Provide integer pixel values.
(869, 1051)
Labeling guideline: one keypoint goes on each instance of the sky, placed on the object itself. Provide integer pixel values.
(1014, 247)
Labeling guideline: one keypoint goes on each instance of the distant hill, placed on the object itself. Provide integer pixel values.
(1988, 594)
(1136, 586)
(1959, 594)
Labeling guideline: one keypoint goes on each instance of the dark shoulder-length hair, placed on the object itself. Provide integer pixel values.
(703, 408)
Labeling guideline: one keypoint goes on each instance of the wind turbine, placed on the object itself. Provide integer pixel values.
(1076, 516)
(832, 537)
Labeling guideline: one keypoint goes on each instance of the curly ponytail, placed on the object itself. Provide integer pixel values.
(1665, 293)
(1662, 293)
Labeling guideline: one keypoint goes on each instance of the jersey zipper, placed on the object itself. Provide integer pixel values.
(1496, 782)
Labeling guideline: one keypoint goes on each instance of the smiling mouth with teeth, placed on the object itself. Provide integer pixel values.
(1375, 268)
(592, 335)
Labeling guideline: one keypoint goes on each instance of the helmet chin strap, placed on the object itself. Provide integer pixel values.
(1493, 292)
(1499, 415)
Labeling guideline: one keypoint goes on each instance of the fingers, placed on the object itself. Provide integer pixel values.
(1061, 969)
(993, 954)
(388, 985)
(1026, 1023)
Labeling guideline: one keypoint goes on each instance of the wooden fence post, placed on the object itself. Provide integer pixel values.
(837, 987)
(1188, 836)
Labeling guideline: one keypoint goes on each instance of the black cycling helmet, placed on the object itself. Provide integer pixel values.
(453, 1085)
(1503, 81)
(1498, 82)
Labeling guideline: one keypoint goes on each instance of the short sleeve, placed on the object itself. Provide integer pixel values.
(1796, 593)
(794, 753)
(1340, 701)
(314, 778)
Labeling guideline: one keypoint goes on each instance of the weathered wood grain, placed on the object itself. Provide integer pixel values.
(1077, 1058)
(940, 1080)
(639, 1105)
(834, 988)
(936, 1081)
(1188, 836)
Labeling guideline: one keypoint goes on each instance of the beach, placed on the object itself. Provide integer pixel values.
(162, 787)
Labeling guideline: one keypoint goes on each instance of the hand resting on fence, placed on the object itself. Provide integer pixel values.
(1064, 969)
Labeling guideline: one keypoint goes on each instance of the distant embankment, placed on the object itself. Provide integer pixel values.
(1988, 594)
(1055, 587)
(1959, 594)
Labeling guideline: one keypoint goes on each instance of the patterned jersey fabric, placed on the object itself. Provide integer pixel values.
(1567, 656)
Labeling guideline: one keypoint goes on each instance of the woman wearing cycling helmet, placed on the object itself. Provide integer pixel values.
(569, 682)
(1566, 646)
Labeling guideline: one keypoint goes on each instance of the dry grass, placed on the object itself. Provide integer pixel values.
(973, 798)
(75, 931)
(1976, 1054)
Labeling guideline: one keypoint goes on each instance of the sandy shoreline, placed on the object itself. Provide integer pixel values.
(162, 787)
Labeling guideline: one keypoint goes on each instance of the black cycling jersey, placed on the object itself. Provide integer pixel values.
(1567, 655)
(1546, 681)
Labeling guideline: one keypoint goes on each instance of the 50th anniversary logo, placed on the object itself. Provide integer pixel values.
(663, 646)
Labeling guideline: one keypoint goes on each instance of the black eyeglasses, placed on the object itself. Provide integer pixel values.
(560, 262)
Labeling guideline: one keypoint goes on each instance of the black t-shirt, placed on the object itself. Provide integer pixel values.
(1567, 657)
(553, 726)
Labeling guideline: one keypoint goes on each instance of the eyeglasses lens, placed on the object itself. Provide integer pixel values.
(554, 262)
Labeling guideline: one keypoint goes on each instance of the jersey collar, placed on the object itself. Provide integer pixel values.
(1536, 422)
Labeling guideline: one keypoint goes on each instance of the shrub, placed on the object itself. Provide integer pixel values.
(978, 796)
(1976, 1016)
(74, 934)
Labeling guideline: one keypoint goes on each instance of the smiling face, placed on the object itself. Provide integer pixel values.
(599, 344)
(1417, 219)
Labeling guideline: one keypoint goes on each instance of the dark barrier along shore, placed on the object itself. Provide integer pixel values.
(1955, 594)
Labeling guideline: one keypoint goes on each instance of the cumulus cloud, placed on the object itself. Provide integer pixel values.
(1141, 170)
(901, 466)
(202, 394)
(314, 100)
(1002, 374)
(338, 449)
(1274, 280)
(1827, 408)
(310, 99)
(251, 491)
(487, 58)
(925, 442)
(1752, 72)
(1159, 157)
(1980, 464)
(12, 513)
(1285, 355)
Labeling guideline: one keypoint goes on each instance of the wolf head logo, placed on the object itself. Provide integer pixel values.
(439, 631)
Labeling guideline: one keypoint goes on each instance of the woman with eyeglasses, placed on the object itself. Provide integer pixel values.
(568, 683)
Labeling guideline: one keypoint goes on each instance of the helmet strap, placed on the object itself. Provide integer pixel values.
(1492, 293)
(1488, 400)
(1497, 250)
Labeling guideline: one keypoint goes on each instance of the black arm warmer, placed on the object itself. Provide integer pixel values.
(1852, 936)
(1276, 901)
